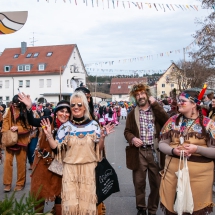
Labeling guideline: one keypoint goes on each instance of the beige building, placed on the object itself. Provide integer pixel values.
(164, 86)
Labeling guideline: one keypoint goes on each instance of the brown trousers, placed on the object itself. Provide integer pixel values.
(21, 166)
(139, 179)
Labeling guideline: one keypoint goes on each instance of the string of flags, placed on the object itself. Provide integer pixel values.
(122, 71)
(114, 4)
(146, 57)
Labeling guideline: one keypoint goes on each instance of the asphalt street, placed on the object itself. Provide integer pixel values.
(121, 203)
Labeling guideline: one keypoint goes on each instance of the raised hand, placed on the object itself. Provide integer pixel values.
(46, 126)
(25, 99)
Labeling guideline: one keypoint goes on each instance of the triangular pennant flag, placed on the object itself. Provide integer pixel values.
(155, 6)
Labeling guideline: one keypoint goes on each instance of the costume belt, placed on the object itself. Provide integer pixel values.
(198, 159)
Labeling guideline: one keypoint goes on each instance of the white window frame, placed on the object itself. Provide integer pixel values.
(48, 82)
(119, 86)
(26, 67)
(129, 86)
(163, 92)
(41, 83)
(41, 67)
(20, 68)
(1, 84)
(7, 83)
(5, 70)
(20, 83)
(162, 85)
(27, 83)
(49, 54)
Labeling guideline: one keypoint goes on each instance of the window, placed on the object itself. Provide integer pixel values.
(67, 82)
(41, 67)
(49, 82)
(120, 96)
(27, 82)
(163, 92)
(119, 87)
(7, 68)
(41, 83)
(163, 85)
(20, 83)
(20, 68)
(0, 84)
(16, 56)
(7, 98)
(28, 55)
(129, 86)
(36, 54)
(27, 67)
(172, 85)
(49, 54)
(0, 98)
(6, 83)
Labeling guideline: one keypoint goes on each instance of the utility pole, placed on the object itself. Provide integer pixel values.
(60, 83)
(184, 69)
(95, 88)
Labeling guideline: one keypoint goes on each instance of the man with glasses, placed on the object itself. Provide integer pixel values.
(142, 130)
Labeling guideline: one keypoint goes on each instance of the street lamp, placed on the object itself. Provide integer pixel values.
(60, 79)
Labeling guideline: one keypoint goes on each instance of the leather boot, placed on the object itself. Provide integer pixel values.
(58, 209)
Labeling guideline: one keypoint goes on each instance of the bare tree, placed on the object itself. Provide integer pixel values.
(189, 74)
(205, 37)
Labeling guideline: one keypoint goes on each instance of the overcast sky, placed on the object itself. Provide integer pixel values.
(108, 34)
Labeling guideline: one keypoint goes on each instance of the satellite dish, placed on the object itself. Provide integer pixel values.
(103, 103)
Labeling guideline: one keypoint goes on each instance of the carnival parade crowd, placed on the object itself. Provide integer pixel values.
(66, 142)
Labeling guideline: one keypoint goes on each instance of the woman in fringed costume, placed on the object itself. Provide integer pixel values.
(194, 133)
(51, 183)
(78, 145)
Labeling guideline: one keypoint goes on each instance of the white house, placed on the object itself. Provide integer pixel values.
(46, 73)
(164, 87)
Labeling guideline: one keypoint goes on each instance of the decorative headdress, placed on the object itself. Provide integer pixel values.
(199, 98)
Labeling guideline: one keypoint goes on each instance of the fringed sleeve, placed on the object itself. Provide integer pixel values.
(166, 131)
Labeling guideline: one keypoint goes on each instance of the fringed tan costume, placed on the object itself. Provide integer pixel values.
(200, 168)
(81, 157)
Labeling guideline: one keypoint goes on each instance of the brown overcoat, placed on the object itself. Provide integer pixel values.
(51, 183)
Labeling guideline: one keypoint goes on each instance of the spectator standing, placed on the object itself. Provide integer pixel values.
(142, 130)
(47, 110)
(123, 112)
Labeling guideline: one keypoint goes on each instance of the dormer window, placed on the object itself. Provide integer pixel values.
(41, 67)
(49, 54)
(27, 67)
(119, 87)
(36, 54)
(20, 68)
(16, 56)
(28, 55)
(7, 68)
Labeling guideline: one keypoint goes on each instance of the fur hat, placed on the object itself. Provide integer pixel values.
(139, 87)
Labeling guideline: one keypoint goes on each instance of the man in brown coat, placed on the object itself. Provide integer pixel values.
(142, 130)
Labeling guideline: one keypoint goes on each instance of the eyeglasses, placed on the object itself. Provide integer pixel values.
(78, 104)
(181, 101)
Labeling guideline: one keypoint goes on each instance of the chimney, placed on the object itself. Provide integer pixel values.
(23, 47)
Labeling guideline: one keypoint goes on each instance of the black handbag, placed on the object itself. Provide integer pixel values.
(106, 180)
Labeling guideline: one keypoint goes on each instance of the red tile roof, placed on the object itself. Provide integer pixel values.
(124, 83)
(60, 57)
